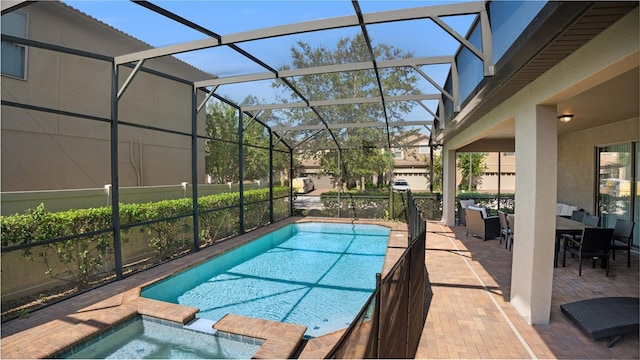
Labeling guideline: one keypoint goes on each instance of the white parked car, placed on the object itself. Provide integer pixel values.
(400, 185)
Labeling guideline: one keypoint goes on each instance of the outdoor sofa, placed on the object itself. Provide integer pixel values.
(479, 224)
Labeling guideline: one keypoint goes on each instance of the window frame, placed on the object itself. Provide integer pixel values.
(25, 57)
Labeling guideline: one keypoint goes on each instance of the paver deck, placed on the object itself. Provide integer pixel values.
(469, 313)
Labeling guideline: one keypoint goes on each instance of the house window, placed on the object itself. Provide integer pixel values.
(508, 154)
(398, 154)
(618, 198)
(423, 149)
(14, 56)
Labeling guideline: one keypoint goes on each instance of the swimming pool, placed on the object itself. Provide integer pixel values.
(313, 274)
(148, 338)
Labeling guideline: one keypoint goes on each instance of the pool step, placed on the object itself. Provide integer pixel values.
(281, 340)
(202, 325)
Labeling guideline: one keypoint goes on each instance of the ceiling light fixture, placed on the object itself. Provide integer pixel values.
(565, 118)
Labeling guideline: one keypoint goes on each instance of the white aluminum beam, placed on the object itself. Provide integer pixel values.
(291, 29)
(487, 44)
(166, 50)
(352, 125)
(206, 98)
(435, 84)
(326, 69)
(428, 110)
(424, 12)
(235, 79)
(461, 39)
(333, 102)
(309, 26)
(129, 79)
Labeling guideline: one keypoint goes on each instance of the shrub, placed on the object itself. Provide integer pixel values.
(80, 259)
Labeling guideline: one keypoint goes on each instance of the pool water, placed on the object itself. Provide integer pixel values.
(313, 274)
(150, 339)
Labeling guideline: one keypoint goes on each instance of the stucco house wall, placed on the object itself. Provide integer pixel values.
(577, 156)
(43, 151)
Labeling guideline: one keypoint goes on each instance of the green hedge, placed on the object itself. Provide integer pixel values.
(83, 258)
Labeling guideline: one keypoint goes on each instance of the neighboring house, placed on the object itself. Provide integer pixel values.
(409, 163)
(500, 166)
(45, 151)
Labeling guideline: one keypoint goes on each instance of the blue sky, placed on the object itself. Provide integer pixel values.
(229, 17)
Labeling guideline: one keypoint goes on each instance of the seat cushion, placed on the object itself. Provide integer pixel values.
(466, 203)
(481, 209)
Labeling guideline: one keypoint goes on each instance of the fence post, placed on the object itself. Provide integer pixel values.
(184, 186)
(107, 189)
(376, 322)
(409, 265)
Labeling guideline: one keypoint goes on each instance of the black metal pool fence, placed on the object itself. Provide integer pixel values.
(349, 205)
(390, 323)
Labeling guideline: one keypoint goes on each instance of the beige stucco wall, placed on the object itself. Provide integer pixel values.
(42, 151)
(577, 156)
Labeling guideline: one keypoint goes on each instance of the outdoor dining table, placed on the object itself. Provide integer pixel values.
(565, 226)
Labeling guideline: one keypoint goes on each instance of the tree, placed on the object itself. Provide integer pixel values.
(361, 155)
(437, 172)
(256, 149)
(221, 150)
(471, 166)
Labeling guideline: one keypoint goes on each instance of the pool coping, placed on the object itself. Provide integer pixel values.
(59, 327)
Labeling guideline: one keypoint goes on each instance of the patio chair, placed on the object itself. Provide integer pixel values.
(588, 220)
(462, 207)
(511, 220)
(591, 220)
(505, 231)
(622, 238)
(595, 244)
(577, 215)
(480, 225)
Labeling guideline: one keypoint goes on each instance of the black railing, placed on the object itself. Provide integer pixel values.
(390, 323)
(368, 206)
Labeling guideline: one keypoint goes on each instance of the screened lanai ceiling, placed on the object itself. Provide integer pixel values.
(320, 75)
(354, 74)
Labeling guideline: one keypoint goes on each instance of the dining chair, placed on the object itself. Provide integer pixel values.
(578, 215)
(511, 220)
(591, 220)
(622, 238)
(505, 231)
(587, 220)
(595, 244)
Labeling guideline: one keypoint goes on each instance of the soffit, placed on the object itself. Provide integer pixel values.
(593, 111)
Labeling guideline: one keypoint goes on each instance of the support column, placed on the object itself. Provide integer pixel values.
(535, 199)
(241, 169)
(270, 177)
(448, 186)
(194, 169)
(115, 182)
